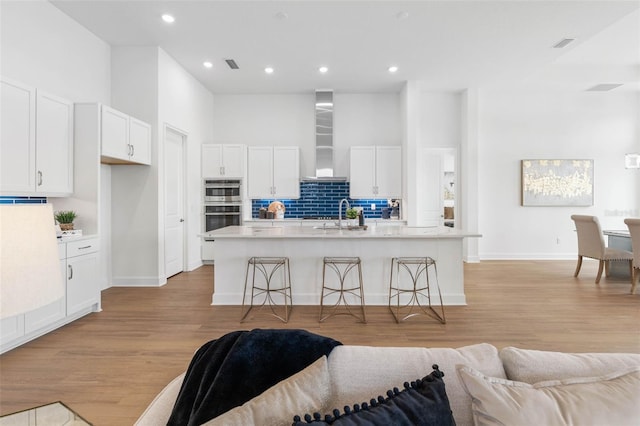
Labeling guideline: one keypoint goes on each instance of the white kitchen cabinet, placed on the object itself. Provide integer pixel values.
(223, 161)
(36, 142)
(123, 139)
(79, 268)
(139, 141)
(273, 172)
(375, 172)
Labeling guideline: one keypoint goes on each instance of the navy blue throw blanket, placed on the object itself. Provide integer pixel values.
(229, 371)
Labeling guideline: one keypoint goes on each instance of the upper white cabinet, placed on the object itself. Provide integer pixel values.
(36, 142)
(139, 141)
(273, 172)
(375, 172)
(123, 139)
(223, 161)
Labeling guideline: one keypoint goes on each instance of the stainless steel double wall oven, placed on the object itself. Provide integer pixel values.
(222, 203)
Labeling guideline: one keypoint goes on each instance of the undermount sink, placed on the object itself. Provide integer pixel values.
(344, 228)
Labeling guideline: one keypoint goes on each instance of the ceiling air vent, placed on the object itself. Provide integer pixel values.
(562, 43)
(605, 87)
(232, 64)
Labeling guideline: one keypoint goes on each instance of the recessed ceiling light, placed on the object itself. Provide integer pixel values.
(402, 15)
(323, 69)
(268, 70)
(393, 69)
(281, 15)
(207, 64)
(168, 18)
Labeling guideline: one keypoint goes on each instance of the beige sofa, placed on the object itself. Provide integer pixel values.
(606, 385)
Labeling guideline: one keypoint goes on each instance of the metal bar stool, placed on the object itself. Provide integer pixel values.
(268, 266)
(342, 266)
(419, 295)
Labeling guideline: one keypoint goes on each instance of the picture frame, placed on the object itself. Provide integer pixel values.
(556, 182)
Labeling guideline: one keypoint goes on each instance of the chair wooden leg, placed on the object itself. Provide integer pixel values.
(635, 277)
(600, 267)
(606, 268)
(578, 266)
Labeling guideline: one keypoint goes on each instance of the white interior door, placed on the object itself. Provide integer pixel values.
(174, 202)
(432, 185)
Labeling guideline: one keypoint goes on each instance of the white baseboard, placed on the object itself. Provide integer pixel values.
(138, 282)
(194, 265)
(378, 299)
(528, 256)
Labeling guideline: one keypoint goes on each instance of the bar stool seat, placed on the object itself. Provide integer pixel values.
(267, 289)
(416, 297)
(342, 266)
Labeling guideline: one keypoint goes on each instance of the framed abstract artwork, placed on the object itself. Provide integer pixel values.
(557, 182)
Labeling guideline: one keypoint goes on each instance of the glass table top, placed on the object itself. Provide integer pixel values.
(54, 414)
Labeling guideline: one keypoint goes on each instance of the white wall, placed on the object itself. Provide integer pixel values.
(359, 119)
(44, 48)
(134, 188)
(185, 104)
(150, 85)
(525, 125)
(440, 119)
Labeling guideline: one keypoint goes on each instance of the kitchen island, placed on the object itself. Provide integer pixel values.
(306, 246)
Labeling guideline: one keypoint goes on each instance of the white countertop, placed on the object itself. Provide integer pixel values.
(402, 232)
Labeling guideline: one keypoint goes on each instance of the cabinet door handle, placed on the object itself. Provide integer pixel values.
(221, 170)
(84, 247)
(133, 150)
(70, 276)
(39, 178)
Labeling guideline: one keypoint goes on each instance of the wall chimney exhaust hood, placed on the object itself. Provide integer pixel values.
(324, 139)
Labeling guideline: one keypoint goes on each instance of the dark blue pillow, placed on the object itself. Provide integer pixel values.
(421, 403)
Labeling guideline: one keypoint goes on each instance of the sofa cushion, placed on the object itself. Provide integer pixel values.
(307, 390)
(532, 366)
(160, 408)
(360, 372)
(605, 400)
(421, 403)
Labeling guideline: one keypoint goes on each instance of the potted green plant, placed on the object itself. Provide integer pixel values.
(352, 216)
(65, 218)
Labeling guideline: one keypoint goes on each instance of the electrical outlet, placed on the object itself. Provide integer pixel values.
(373, 206)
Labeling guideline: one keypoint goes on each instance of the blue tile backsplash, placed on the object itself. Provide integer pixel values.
(321, 199)
(9, 199)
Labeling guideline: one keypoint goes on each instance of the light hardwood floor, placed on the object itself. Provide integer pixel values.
(108, 366)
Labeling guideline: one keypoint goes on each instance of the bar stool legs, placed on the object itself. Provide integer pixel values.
(342, 266)
(417, 299)
(268, 266)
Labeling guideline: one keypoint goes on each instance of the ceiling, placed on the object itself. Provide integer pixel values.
(446, 45)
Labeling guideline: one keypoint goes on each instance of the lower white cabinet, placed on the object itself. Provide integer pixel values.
(79, 269)
(81, 272)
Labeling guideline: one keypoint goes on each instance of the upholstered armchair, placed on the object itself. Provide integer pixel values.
(591, 244)
(634, 231)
